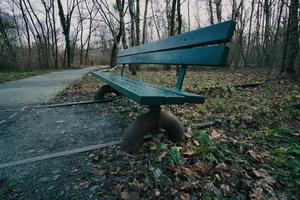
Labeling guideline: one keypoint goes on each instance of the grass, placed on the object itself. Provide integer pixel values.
(11, 76)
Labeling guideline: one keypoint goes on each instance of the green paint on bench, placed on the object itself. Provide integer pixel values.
(202, 47)
(189, 97)
(208, 56)
(147, 94)
(215, 34)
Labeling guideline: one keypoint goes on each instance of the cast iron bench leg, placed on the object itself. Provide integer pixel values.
(104, 90)
(153, 120)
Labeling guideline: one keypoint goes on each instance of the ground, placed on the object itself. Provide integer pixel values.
(251, 152)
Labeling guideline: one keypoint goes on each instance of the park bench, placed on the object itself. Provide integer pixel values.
(202, 47)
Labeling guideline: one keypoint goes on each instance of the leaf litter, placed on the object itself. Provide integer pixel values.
(252, 151)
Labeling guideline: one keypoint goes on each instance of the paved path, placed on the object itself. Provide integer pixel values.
(37, 89)
(31, 134)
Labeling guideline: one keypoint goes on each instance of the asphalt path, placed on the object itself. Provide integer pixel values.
(16, 96)
(37, 89)
(42, 148)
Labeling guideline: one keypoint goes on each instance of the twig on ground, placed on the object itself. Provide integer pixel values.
(204, 125)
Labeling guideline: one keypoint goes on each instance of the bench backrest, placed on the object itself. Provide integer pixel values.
(190, 48)
(202, 47)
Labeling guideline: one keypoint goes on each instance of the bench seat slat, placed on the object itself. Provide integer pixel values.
(189, 97)
(140, 93)
(207, 56)
(218, 33)
(144, 93)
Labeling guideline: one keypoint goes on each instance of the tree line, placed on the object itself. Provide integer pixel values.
(51, 34)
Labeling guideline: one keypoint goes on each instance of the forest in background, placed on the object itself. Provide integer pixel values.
(53, 34)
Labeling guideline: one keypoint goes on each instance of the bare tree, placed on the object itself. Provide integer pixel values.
(110, 19)
(249, 32)
(266, 42)
(19, 4)
(5, 25)
(210, 12)
(65, 20)
(154, 20)
(132, 31)
(179, 17)
(189, 15)
(55, 40)
(172, 18)
(122, 12)
(277, 30)
(218, 4)
(292, 39)
(81, 21)
(145, 22)
(137, 22)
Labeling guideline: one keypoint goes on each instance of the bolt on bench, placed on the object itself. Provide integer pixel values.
(202, 47)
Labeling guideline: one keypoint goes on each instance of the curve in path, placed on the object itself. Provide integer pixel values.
(37, 89)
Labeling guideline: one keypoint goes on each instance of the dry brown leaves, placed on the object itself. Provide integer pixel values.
(193, 170)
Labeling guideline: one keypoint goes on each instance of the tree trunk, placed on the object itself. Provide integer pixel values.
(172, 19)
(55, 36)
(45, 48)
(189, 16)
(257, 37)
(154, 20)
(210, 11)
(179, 19)
(81, 19)
(66, 24)
(132, 67)
(172, 26)
(145, 23)
(218, 4)
(29, 61)
(249, 32)
(137, 23)
(120, 6)
(276, 35)
(293, 37)
(266, 47)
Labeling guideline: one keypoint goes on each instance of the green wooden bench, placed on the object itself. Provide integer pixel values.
(202, 47)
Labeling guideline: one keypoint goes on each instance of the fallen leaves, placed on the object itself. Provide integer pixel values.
(193, 170)
(225, 170)
(125, 195)
(225, 189)
(157, 192)
(255, 156)
(184, 196)
(93, 157)
(256, 194)
(215, 134)
(260, 173)
(185, 171)
(229, 160)
(188, 153)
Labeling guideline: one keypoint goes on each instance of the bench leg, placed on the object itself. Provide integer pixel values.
(171, 124)
(155, 119)
(104, 90)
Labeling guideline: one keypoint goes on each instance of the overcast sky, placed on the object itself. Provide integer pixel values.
(198, 11)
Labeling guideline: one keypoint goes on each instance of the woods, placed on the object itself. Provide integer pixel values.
(150, 99)
(54, 34)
